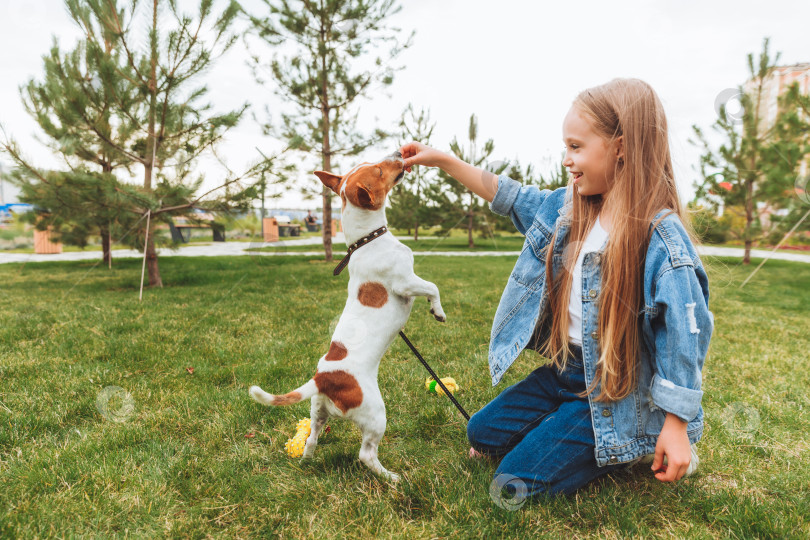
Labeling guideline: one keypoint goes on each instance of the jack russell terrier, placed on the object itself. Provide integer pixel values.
(382, 285)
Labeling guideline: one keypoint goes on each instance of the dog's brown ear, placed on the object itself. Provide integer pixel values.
(369, 199)
(330, 180)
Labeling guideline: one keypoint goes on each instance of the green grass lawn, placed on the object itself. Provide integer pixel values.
(182, 462)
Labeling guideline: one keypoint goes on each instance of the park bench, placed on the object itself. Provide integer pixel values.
(286, 227)
(293, 229)
(277, 226)
(181, 228)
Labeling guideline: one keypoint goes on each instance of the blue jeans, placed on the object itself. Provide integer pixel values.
(542, 430)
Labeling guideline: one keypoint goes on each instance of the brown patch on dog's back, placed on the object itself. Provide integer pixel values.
(287, 399)
(372, 294)
(341, 387)
(337, 351)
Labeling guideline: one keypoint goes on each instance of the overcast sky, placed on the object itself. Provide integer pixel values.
(516, 64)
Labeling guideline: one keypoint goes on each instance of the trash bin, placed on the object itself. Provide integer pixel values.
(270, 229)
(43, 244)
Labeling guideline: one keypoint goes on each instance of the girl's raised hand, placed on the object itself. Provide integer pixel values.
(416, 153)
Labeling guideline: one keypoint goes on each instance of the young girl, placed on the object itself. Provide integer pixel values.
(610, 287)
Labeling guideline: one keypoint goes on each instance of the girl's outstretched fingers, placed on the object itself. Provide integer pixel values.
(416, 153)
(408, 151)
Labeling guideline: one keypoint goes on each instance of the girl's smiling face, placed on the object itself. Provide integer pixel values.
(588, 157)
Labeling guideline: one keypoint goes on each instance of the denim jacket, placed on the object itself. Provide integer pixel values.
(676, 322)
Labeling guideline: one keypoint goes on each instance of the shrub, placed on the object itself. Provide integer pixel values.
(708, 227)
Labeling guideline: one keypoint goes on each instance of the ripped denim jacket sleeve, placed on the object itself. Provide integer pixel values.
(682, 329)
(518, 202)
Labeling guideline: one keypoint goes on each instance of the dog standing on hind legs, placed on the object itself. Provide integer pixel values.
(382, 285)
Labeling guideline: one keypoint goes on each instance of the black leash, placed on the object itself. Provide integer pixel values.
(435, 377)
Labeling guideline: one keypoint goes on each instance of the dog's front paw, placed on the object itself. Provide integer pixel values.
(438, 315)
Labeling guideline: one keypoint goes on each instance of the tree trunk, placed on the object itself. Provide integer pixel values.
(327, 219)
(327, 159)
(151, 153)
(151, 253)
(749, 218)
(106, 242)
(469, 230)
(470, 223)
(152, 261)
(106, 248)
(416, 224)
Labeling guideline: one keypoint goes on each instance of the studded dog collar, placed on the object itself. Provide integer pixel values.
(360, 243)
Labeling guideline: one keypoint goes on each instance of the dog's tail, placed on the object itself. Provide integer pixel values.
(306, 391)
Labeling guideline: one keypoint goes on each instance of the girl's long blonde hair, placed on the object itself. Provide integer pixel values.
(643, 184)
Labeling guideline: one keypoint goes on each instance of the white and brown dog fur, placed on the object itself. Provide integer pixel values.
(382, 285)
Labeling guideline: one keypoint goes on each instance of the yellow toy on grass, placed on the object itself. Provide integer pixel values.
(295, 446)
(451, 384)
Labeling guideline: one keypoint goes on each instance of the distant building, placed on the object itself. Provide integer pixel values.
(776, 84)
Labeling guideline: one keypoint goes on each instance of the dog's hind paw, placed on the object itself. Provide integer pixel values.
(391, 476)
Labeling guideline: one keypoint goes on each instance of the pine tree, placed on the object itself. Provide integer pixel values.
(557, 178)
(410, 207)
(323, 78)
(758, 161)
(452, 195)
(155, 120)
(69, 96)
(170, 127)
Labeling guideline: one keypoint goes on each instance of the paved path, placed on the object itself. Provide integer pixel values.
(220, 249)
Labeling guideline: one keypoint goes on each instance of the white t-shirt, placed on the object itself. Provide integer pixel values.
(593, 242)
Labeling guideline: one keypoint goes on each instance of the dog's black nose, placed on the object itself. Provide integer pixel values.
(397, 154)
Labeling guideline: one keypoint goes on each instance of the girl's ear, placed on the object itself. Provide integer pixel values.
(330, 180)
(619, 145)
